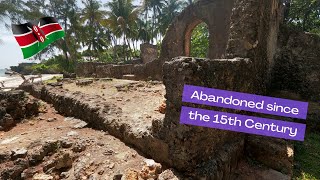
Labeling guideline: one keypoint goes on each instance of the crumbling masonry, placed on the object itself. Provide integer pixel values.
(247, 53)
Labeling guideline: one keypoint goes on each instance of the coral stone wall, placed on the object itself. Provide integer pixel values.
(189, 146)
(297, 64)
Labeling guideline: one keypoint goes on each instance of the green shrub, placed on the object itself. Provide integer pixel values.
(200, 41)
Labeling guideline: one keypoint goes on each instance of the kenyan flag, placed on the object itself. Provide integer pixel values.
(37, 35)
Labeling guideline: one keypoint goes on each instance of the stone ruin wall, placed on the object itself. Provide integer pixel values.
(102, 70)
(149, 53)
(297, 64)
(247, 53)
(220, 150)
(14, 107)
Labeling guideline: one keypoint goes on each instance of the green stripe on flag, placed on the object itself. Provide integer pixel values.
(37, 47)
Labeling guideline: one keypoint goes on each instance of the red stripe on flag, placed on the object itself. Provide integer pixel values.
(26, 39)
(50, 28)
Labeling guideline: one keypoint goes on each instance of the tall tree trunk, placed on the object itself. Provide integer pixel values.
(131, 53)
(134, 47)
(114, 48)
(305, 19)
(124, 47)
(147, 39)
(65, 49)
(153, 24)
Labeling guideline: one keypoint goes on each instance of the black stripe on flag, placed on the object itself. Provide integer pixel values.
(47, 20)
(23, 28)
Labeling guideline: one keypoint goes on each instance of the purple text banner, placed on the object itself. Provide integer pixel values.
(242, 123)
(244, 101)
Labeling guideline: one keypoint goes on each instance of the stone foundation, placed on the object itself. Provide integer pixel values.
(14, 106)
(101, 115)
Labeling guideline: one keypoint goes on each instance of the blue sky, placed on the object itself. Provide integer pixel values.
(10, 52)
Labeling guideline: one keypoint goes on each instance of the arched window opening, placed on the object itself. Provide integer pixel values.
(199, 45)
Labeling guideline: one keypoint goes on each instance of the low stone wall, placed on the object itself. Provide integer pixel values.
(14, 106)
(150, 70)
(114, 71)
(197, 151)
(102, 115)
(87, 69)
(102, 70)
(96, 112)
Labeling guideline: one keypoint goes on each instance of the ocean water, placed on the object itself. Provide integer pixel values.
(2, 72)
(2, 75)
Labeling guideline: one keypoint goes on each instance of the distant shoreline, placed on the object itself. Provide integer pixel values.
(15, 81)
(2, 73)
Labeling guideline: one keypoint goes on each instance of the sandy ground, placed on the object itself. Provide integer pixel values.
(138, 100)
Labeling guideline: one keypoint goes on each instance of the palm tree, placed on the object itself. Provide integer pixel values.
(188, 2)
(34, 10)
(10, 10)
(122, 18)
(143, 34)
(3, 10)
(171, 9)
(92, 16)
(74, 33)
(155, 7)
(66, 11)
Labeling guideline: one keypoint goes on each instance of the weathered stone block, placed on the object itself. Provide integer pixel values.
(14, 106)
(84, 82)
(149, 52)
(297, 64)
(190, 146)
(275, 153)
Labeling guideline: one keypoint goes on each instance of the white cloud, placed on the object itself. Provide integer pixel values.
(8, 39)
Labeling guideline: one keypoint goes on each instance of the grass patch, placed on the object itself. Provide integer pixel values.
(307, 158)
(53, 80)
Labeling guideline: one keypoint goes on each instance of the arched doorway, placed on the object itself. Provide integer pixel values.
(197, 40)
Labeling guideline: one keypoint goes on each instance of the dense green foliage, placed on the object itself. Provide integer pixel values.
(200, 41)
(108, 32)
(303, 14)
(111, 32)
(56, 64)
